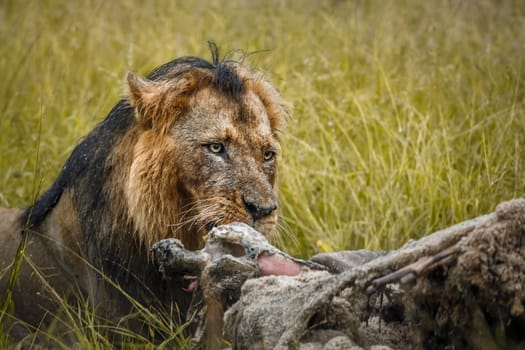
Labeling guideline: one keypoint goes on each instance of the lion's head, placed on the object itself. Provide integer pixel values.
(193, 145)
(204, 151)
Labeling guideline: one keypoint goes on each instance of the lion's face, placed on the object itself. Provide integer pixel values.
(227, 156)
(212, 162)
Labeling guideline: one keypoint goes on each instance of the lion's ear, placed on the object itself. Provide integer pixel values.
(154, 101)
(141, 94)
(138, 89)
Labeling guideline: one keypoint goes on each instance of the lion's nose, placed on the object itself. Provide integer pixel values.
(257, 209)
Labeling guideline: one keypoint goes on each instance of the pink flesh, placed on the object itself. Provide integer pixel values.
(194, 283)
(277, 265)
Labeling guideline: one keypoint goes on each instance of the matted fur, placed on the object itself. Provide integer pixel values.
(193, 145)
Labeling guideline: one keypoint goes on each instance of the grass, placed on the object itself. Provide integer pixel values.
(78, 324)
(408, 116)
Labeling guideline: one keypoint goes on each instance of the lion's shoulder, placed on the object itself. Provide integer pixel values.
(84, 164)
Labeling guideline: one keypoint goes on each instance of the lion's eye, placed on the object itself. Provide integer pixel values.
(269, 155)
(216, 147)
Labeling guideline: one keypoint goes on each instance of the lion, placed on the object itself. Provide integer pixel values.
(191, 146)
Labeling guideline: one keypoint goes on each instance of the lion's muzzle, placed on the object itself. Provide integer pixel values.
(258, 206)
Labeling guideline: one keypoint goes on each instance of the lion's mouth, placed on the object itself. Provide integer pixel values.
(210, 225)
(265, 225)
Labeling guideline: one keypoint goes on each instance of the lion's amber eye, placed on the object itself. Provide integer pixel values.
(216, 147)
(269, 155)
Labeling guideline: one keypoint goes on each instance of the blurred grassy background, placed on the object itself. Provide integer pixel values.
(408, 116)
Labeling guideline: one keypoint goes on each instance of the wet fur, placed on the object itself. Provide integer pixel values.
(143, 174)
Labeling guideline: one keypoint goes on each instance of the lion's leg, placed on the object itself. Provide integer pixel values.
(52, 267)
(25, 294)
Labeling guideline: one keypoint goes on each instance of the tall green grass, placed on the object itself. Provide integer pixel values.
(407, 116)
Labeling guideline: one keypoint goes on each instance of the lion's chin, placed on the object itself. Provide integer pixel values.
(266, 228)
